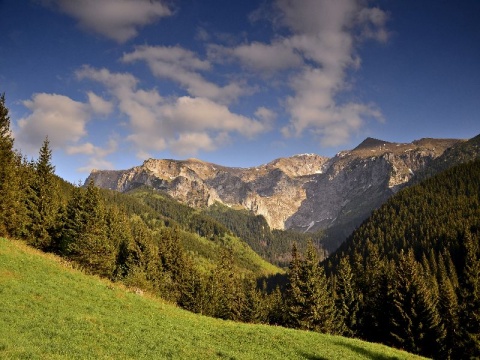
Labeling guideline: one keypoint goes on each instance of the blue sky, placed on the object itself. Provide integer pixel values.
(237, 83)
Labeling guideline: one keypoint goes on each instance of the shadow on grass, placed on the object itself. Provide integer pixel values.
(367, 353)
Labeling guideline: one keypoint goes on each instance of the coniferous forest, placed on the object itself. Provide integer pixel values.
(408, 277)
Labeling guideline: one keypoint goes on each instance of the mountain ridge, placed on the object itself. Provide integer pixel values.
(305, 192)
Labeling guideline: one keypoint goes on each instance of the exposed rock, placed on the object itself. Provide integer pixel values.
(304, 192)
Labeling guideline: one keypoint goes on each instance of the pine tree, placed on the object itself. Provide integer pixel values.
(228, 302)
(346, 301)
(85, 237)
(294, 297)
(415, 322)
(318, 313)
(44, 202)
(448, 308)
(470, 297)
(11, 196)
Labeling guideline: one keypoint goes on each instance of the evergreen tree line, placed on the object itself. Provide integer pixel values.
(119, 238)
(409, 277)
(273, 245)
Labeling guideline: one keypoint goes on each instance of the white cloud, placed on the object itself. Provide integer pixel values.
(57, 116)
(267, 115)
(96, 155)
(96, 164)
(99, 105)
(90, 149)
(323, 36)
(115, 19)
(64, 121)
(185, 125)
(183, 66)
(261, 57)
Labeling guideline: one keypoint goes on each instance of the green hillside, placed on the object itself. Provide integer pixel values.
(412, 270)
(51, 311)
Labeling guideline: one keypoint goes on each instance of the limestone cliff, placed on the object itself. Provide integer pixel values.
(304, 192)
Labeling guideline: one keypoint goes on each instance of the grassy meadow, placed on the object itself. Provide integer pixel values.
(49, 310)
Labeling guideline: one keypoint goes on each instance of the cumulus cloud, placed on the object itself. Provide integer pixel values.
(57, 116)
(261, 57)
(99, 105)
(184, 67)
(318, 47)
(185, 124)
(90, 149)
(96, 155)
(114, 19)
(64, 121)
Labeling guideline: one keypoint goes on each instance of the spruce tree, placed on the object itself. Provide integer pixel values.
(294, 296)
(470, 297)
(318, 312)
(11, 196)
(415, 321)
(44, 202)
(346, 299)
(85, 238)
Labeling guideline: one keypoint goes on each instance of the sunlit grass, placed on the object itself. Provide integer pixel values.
(50, 311)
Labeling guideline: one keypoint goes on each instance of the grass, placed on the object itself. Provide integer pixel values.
(49, 310)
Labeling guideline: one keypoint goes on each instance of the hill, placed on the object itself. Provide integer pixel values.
(414, 268)
(50, 310)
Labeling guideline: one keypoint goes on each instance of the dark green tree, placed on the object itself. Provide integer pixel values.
(449, 310)
(43, 200)
(85, 237)
(294, 296)
(415, 322)
(346, 299)
(12, 219)
(309, 301)
(470, 297)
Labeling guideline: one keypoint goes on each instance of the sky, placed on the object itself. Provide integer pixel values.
(237, 83)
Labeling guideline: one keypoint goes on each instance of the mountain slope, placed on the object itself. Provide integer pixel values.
(419, 254)
(51, 311)
(305, 193)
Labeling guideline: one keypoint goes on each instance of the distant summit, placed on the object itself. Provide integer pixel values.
(370, 143)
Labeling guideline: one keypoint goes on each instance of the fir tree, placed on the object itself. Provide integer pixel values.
(44, 203)
(294, 297)
(415, 322)
(346, 301)
(85, 237)
(319, 309)
(11, 195)
(470, 297)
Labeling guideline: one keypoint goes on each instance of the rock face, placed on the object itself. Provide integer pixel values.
(304, 192)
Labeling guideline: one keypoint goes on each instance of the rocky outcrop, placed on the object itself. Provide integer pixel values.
(305, 192)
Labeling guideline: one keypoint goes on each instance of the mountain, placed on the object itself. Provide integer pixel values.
(304, 192)
(413, 267)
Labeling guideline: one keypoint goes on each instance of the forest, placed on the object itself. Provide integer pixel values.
(408, 277)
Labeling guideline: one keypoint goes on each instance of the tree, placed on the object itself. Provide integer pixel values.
(318, 314)
(470, 297)
(309, 302)
(448, 307)
(415, 321)
(85, 238)
(11, 196)
(43, 200)
(346, 299)
(294, 297)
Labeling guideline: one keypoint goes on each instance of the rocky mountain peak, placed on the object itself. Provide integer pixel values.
(305, 192)
(370, 143)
